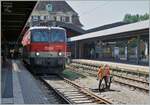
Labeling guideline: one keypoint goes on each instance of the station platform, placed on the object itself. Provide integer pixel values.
(122, 66)
(18, 86)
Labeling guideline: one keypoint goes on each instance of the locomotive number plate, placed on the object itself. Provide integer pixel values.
(49, 48)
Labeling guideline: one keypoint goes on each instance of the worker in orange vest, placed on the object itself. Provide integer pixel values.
(100, 72)
(104, 73)
(101, 76)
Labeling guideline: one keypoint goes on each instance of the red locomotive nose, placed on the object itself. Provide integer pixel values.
(54, 47)
(58, 47)
(39, 47)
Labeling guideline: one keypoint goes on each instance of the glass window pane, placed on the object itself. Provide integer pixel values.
(40, 35)
(67, 19)
(132, 48)
(57, 35)
(144, 50)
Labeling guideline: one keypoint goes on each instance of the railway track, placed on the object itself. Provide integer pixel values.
(142, 85)
(137, 74)
(71, 92)
(123, 80)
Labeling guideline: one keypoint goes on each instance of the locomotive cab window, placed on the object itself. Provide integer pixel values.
(57, 35)
(40, 35)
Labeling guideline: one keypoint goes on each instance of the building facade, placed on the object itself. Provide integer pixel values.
(55, 11)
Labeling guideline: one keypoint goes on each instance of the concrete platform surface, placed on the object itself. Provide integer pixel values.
(139, 68)
(19, 86)
(6, 83)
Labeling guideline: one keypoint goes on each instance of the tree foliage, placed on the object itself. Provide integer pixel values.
(135, 18)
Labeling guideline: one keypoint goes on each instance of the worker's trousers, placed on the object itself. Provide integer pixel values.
(100, 83)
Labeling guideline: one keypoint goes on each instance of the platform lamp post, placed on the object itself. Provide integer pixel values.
(49, 8)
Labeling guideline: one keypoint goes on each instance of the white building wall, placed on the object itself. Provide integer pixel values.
(50, 16)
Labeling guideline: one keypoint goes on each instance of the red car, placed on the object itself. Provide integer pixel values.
(45, 49)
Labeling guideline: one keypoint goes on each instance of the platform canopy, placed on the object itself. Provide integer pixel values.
(142, 25)
(13, 18)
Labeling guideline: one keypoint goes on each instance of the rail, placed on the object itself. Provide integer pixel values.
(72, 92)
(132, 82)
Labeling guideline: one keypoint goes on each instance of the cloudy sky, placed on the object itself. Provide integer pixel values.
(96, 13)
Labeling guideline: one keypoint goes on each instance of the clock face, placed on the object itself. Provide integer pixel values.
(49, 7)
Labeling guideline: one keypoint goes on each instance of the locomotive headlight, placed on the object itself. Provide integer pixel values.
(37, 53)
(60, 54)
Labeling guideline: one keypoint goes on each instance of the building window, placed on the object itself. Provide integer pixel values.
(55, 18)
(107, 50)
(122, 45)
(67, 19)
(44, 17)
(132, 48)
(64, 19)
(144, 48)
(41, 17)
(38, 17)
(47, 17)
(35, 18)
(58, 18)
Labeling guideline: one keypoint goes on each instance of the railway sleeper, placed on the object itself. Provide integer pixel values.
(82, 99)
(71, 97)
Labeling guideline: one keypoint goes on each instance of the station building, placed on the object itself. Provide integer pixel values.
(56, 13)
(127, 43)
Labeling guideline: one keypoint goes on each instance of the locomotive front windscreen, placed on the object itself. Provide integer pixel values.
(57, 35)
(40, 35)
(45, 35)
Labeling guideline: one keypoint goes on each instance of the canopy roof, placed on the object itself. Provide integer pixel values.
(113, 31)
(14, 16)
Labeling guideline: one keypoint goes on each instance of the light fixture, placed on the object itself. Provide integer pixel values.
(37, 53)
(59, 54)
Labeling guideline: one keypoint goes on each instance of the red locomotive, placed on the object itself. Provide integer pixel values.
(45, 48)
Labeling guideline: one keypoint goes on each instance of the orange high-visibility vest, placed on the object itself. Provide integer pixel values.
(101, 73)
